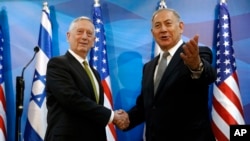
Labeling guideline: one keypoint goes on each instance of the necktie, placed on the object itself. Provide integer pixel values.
(161, 68)
(86, 67)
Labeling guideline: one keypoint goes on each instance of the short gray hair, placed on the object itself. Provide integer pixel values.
(176, 14)
(80, 19)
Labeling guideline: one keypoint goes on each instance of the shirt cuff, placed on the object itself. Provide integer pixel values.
(111, 117)
(196, 74)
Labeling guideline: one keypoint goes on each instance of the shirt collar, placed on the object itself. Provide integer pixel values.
(173, 49)
(77, 57)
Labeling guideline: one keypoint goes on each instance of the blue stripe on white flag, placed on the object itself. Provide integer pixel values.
(45, 38)
(30, 134)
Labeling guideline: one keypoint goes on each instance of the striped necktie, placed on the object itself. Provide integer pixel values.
(86, 67)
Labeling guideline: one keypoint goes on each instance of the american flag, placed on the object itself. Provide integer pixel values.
(99, 60)
(227, 106)
(3, 121)
(37, 111)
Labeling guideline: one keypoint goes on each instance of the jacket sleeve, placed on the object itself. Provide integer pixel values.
(209, 72)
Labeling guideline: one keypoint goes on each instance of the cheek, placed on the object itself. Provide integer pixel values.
(154, 33)
(92, 40)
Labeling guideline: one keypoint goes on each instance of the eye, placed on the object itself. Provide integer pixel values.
(79, 31)
(168, 23)
(157, 26)
(89, 34)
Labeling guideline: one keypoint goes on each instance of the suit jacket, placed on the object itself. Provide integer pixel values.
(179, 109)
(73, 113)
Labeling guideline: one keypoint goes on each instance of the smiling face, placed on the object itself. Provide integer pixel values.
(81, 37)
(166, 28)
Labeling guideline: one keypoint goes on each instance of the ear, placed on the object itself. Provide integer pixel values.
(181, 26)
(93, 45)
(68, 35)
(152, 32)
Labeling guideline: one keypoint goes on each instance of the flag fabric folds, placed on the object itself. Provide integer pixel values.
(99, 60)
(3, 120)
(226, 102)
(37, 111)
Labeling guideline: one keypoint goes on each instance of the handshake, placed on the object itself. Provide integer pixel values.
(121, 119)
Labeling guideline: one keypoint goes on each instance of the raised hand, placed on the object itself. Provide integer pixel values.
(190, 54)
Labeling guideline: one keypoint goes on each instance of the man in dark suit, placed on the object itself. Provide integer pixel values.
(74, 97)
(178, 108)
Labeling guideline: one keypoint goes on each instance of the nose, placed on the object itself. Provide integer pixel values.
(84, 35)
(163, 28)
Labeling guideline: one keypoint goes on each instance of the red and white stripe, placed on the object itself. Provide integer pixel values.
(227, 107)
(108, 102)
(3, 120)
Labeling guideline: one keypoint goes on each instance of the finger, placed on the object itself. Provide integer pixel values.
(120, 111)
(191, 47)
(183, 56)
(194, 44)
(194, 41)
(191, 51)
(186, 50)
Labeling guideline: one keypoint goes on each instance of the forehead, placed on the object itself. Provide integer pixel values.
(85, 24)
(163, 15)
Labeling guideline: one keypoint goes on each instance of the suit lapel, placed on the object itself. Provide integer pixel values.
(85, 79)
(171, 68)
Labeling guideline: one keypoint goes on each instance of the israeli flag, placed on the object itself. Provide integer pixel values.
(37, 111)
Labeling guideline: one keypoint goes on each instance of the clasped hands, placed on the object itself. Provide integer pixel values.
(121, 119)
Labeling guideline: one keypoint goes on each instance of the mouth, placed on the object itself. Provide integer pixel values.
(164, 37)
(83, 44)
